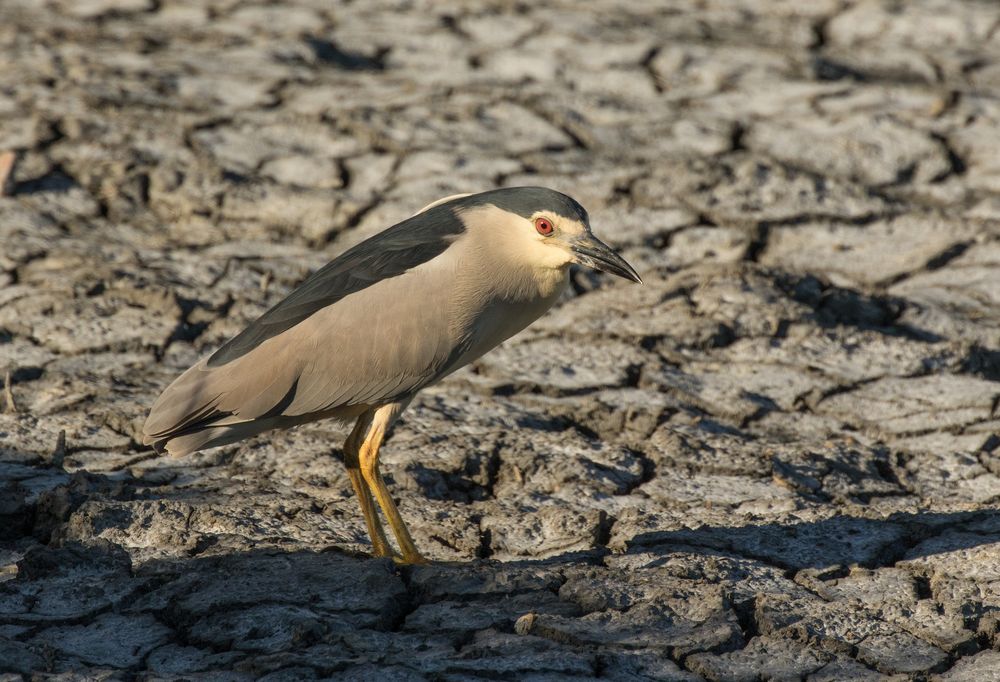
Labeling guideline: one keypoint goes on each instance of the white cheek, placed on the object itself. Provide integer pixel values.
(549, 255)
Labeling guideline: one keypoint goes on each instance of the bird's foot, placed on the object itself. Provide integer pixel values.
(410, 559)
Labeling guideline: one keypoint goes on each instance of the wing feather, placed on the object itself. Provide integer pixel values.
(314, 351)
(388, 254)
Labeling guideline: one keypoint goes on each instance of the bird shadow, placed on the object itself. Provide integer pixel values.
(837, 540)
(333, 610)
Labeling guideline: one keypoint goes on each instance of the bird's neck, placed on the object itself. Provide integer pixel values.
(501, 272)
(520, 283)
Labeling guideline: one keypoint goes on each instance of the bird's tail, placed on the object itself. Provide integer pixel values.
(187, 417)
(210, 406)
(204, 438)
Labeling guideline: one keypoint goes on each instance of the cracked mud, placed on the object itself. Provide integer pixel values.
(777, 459)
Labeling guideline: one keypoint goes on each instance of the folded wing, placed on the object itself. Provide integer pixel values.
(355, 333)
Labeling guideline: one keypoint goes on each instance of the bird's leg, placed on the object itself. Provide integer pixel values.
(380, 545)
(368, 454)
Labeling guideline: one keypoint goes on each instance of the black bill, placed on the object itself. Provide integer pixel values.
(594, 253)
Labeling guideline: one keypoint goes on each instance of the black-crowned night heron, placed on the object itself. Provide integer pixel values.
(390, 316)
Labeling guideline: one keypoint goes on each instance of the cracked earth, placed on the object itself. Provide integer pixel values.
(778, 459)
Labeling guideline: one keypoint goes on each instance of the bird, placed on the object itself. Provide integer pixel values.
(398, 312)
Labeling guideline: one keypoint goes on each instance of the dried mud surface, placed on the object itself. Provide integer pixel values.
(777, 459)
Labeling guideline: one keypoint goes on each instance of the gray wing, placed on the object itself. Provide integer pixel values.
(353, 333)
(387, 254)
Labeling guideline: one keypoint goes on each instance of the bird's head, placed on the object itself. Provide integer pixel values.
(543, 227)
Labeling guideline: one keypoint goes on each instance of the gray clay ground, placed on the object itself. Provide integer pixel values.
(778, 459)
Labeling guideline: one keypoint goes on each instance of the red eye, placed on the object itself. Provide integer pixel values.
(544, 226)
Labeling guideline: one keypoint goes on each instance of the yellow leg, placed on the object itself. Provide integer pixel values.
(368, 454)
(380, 545)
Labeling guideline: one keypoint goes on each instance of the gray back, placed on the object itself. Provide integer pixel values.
(388, 254)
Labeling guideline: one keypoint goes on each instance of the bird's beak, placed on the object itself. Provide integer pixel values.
(590, 251)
